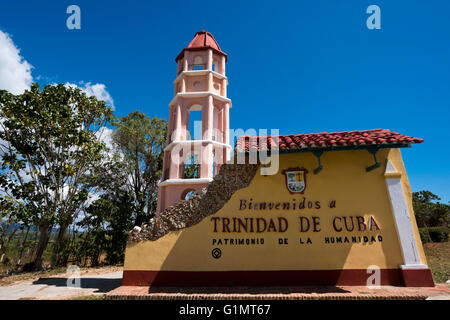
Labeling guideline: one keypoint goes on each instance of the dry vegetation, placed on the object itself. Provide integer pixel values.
(438, 256)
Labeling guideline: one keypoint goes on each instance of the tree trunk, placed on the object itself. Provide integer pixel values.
(22, 248)
(5, 247)
(44, 237)
(34, 247)
(59, 239)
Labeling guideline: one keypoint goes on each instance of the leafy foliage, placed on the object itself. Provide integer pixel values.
(140, 141)
(48, 143)
(429, 211)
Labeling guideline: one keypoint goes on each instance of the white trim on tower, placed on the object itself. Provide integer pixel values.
(199, 94)
(184, 181)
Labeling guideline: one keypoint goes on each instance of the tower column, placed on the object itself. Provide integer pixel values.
(206, 167)
(187, 59)
(224, 87)
(210, 82)
(209, 60)
(226, 130)
(174, 156)
(222, 71)
(178, 122)
(183, 85)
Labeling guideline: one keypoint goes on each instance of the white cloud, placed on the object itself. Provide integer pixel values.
(15, 72)
(97, 90)
(105, 134)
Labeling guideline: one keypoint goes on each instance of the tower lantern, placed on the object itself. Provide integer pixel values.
(195, 152)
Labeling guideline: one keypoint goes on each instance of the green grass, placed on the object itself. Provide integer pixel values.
(438, 256)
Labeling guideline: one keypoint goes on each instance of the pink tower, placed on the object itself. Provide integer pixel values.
(194, 155)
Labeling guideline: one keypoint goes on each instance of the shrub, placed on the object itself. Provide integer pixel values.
(434, 234)
(424, 235)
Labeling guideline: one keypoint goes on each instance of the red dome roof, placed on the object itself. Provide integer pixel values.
(202, 40)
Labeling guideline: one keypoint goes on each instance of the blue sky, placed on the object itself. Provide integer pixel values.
(300, 66)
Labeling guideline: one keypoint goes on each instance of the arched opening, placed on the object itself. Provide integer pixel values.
(198, 63)
(195, 123)
(191, 166)
(188, 194)
(215, 66)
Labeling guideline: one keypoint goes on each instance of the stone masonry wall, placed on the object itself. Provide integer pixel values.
(187, 213)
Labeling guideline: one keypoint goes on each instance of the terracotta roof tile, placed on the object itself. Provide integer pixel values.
(324, 140)
(202, 40)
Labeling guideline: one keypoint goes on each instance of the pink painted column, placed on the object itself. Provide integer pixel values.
(210, 82)
(224, 88)
(206, 167)
(220, 126)
(185, 64)
(174, 174)
(222, 71)
(226, 131)
(184, 123)
(187, 59)
(209, 60)
(183, 85)
(178, 121)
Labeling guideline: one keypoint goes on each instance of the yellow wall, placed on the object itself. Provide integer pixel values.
(343, 179)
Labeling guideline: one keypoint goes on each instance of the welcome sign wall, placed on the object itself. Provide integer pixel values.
(297, 228)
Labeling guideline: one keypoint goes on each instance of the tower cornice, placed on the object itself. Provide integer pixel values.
(199, 94)
(196, 142)
(193, 73)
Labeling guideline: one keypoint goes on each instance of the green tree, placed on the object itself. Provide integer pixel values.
(140, 143)
(429, 211)
(48, 144)
(126, 182)
(11, 212)
(110, 218)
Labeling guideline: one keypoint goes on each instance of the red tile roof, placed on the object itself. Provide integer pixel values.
(324, 140)
(202, 40)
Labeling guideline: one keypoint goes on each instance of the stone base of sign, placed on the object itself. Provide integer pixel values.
(419, 276)
(396, 277)
(277, 293)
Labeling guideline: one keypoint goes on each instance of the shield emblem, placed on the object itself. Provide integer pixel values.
(295, 179)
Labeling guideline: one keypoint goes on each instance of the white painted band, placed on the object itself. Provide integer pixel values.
(196, 142)
(199, 94)
(185, 181)
(413, 266)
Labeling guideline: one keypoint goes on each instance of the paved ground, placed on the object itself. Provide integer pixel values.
(55, 287)
(440, 292)
(102, 282)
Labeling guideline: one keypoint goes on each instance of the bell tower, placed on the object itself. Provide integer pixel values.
(195, 150)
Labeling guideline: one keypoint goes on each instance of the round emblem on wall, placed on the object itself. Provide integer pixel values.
(216, 253)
